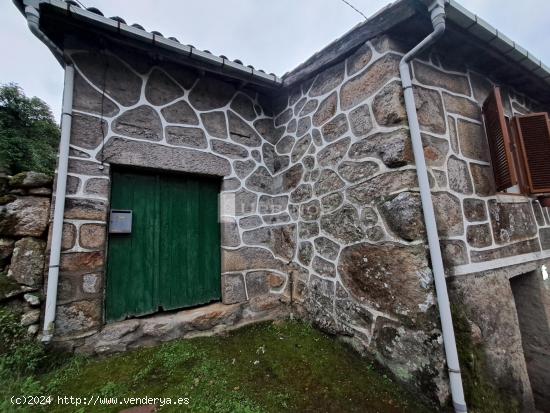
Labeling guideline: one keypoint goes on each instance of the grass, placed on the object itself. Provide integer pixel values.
(269, 367)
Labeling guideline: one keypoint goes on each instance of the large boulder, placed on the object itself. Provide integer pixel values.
(26, 216)
(27, 263)
(30, 180)
(394, 278)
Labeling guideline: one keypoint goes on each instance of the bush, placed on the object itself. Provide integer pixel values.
(29, 135)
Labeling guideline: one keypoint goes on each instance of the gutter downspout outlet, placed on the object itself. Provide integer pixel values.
(33, 20)
(437, 10)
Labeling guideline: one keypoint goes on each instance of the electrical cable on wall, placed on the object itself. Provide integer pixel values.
(105, 68)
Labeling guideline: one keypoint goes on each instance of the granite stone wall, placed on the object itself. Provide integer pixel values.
(488, 239)
(320, 214)
(477, 224)
(24, 212)
(131, 111)
(532, 298)
(364, 264)
(313, 184)
(361, 235)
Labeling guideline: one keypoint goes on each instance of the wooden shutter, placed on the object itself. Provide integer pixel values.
(534, 143)
(499, 141)
(519, 165)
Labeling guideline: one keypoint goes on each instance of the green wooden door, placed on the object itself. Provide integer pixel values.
(172, 257)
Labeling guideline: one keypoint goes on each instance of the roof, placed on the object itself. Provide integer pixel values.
(117, 25)
(518, 62)
(466, 33)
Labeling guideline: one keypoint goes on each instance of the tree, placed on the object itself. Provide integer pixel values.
(29, 136)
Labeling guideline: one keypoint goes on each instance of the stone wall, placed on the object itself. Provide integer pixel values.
(24, 213)
(488, 239)
(158, 115)
(360, 231)
(320, 212)
(479, 227)
(361, 236)
(313, 184)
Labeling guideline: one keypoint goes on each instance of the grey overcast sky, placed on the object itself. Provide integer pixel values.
(274, 35)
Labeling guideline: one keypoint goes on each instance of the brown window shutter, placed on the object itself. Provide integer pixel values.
(534, 144)
(499, 141)
(521, 170)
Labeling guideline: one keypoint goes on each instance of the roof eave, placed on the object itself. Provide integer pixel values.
(203, 58)
(483, 31)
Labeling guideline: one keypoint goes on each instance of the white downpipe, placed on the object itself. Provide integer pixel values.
(33, 18)
(59, 208)
(437, 10)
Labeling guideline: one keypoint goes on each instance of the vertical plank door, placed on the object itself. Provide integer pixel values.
(172, 257)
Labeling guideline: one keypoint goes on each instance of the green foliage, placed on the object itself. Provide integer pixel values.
(19, 353)
(482, 396)
(28, 133)
(7, 286)
(16, 385)
(20, 356)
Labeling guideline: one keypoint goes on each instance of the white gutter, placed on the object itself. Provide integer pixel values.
(437, 10)
(485, 33)
(33, 19)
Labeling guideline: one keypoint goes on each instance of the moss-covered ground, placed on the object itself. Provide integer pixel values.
(269, 367)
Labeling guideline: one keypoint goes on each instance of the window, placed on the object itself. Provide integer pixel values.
(519, 148)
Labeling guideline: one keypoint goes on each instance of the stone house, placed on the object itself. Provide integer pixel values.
(203, 194)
